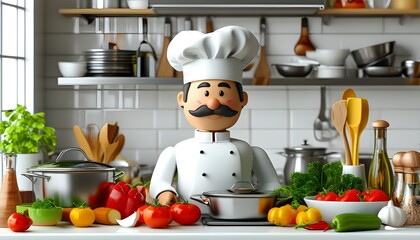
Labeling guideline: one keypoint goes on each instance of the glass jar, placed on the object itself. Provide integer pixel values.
(398, 178)
(411, 198)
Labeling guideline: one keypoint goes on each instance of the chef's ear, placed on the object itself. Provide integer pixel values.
(181, 99)
(245, 97)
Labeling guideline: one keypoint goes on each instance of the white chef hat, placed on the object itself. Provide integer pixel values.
(222, 54)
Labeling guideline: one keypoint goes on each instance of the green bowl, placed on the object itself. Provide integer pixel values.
(23, 208)
(45, 217)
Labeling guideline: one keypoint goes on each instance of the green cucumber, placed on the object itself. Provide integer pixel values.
(350, 222)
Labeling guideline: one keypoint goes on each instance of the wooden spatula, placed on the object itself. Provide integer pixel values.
(339, 119)
(262, 72)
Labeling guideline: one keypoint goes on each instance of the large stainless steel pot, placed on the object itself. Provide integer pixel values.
(237, 203)
(69, 182)
(297, 158)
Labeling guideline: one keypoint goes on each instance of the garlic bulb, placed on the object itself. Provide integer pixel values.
(392, 215)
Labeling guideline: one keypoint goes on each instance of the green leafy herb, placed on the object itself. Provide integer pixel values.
(24, 132)
(47, 203)
(319, 178)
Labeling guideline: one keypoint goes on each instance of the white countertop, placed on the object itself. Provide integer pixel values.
(65, 231)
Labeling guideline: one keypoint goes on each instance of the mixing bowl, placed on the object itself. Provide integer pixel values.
(330, 209)
(369, 55)
(329, 57)
(293, 69)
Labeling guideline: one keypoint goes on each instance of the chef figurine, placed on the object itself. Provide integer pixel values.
(212, 100)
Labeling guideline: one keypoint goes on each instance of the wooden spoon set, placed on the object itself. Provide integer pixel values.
(101, 146)
(350, 115)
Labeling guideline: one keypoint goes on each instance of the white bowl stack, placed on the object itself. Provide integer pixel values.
(332, 62)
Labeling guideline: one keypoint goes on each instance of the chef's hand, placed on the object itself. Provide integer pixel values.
(166, 198)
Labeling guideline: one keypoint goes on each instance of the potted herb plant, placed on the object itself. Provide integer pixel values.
(26, 135)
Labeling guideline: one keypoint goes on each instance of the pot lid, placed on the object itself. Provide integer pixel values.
(72, 166)
(305, 147)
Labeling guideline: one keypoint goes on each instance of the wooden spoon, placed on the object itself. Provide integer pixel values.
(83, 141)
(348, 93)
(304, 43)
(357, 118)
(339, 119)
(115, 147)
(104, 141)
(262, 72)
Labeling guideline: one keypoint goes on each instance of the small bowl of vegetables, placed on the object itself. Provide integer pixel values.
(45, 212)
(371, 203)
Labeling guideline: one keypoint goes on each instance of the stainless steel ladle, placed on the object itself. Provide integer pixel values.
(323, 129)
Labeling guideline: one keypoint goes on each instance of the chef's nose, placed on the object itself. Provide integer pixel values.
(213, 103)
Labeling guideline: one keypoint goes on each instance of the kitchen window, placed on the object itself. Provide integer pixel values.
(16, 54)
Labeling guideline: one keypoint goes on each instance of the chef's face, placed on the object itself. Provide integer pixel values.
(212, 105)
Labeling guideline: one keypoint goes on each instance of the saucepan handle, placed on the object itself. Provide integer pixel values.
(199, 198)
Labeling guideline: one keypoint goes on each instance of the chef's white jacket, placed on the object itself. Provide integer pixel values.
(211, 161)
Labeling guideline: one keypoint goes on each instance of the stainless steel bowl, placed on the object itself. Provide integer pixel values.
(368, 55)
(293, 69)
(378, 71)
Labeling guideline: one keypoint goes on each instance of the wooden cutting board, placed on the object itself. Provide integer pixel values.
(164, 68)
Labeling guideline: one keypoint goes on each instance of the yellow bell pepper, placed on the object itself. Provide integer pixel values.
(282, 216)
(308, 216)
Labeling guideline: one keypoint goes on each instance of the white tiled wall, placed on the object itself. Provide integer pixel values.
(276, 116)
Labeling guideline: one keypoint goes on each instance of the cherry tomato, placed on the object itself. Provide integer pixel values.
(157, 216)
(375, 195)
(140, 213)
(351, 195)
(18, 222)
(185, 213)
(330, 196)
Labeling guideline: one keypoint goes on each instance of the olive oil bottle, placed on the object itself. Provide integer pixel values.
(380, 173)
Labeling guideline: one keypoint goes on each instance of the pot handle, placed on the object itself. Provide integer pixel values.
(283, 154)
(199, 198)
(71, 149)
(118, 173)
(33, 176)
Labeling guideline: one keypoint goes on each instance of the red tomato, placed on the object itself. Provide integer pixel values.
(375, 195)
(157, 216)
(330, 196)
(18, 222)
(185, 213)
(140, 213)
(352, 195)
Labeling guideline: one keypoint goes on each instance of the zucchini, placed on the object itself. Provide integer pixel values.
(349, 222)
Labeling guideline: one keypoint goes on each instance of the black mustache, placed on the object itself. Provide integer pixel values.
(223, 110)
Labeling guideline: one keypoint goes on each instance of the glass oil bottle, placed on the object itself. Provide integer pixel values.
(381, 175)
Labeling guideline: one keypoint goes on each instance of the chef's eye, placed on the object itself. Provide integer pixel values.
(221, 93)
(206, 93)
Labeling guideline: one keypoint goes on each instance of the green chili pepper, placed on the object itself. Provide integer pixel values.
(348, 222)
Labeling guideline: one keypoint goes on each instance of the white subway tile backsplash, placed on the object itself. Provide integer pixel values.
(165, 119)
(275, 116)
(269, 119)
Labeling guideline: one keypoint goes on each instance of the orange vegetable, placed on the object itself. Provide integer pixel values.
(282, 216)
(107, 216)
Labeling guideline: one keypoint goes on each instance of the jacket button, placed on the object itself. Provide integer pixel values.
(231, 152)
(233, 174)
(201, 152)
(203, 174)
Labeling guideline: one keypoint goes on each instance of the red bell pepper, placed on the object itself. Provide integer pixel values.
(101, 196)
(125, 199)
